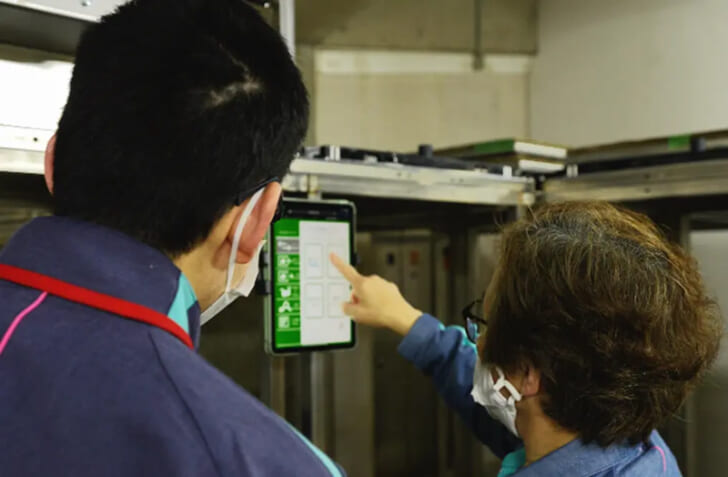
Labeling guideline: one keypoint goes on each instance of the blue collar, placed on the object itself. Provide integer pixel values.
(106, 261)
(577, 459)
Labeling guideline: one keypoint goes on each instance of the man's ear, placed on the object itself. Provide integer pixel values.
(50, 157)
(257, 224)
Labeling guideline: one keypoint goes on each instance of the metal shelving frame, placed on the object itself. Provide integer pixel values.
(355, 178)
(687, 179)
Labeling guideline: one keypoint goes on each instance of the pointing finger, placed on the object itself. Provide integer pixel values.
(349, 272)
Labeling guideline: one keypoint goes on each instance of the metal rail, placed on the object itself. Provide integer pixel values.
(688, 179)
(397, 181)
(21, 161)
(354, 178)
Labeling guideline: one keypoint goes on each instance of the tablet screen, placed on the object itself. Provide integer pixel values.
(307, 290)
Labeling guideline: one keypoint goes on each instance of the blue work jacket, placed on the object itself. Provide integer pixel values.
(446, 355)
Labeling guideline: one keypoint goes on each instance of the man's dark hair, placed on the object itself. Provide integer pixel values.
(613, 316)
(175, 107)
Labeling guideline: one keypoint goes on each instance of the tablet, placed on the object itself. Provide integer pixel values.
(304, 311)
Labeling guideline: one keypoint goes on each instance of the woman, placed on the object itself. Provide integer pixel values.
(597, 328)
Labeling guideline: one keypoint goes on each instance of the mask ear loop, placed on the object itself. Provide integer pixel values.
(504, 383)
(236, 238)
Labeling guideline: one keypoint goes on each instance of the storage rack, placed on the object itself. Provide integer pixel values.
(352, 177)
(685, 166)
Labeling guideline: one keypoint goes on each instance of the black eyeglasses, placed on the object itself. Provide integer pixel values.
(474, 323)
(240, 198)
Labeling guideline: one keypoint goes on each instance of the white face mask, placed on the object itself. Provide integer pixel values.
(251, 273)
(487, 393)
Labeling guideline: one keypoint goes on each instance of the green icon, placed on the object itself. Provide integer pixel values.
(288, 292)
(288, 276)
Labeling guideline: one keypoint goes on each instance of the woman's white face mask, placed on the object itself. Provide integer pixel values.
(487, 392)
(247, 282)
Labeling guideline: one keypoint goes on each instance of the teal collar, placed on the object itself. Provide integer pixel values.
(184, 308)
(513, 462)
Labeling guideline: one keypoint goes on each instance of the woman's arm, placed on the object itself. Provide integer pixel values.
(445, 354)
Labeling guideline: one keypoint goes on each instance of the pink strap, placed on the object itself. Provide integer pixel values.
(93, 299)
(664, 460)
(19, 318)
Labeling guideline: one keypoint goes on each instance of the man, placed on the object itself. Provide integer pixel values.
(182, 118)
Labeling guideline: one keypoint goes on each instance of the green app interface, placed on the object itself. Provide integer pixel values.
(308, 290)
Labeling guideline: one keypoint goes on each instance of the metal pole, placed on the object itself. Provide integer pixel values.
(287, 23)
(275, 385)
(680, 431)
(321, 387)
(691, 431)
(322, 401)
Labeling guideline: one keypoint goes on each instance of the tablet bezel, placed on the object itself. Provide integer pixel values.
(301, 209)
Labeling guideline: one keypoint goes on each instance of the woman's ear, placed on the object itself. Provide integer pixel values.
(50, 157)
(531, 384)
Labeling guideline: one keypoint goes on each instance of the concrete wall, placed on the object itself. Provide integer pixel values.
(399, 100)
(378, 76)
(508, 25)
(621, 69)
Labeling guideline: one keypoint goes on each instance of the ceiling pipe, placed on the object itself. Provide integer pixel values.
(478, 63)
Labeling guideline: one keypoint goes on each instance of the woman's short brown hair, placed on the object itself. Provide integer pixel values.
(613, 315)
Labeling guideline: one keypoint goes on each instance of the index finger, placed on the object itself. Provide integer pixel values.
(349, 272)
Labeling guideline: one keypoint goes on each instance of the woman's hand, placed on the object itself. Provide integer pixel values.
(375, 301)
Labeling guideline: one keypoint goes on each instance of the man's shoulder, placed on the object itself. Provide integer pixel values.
(204, 388)
(239, 431)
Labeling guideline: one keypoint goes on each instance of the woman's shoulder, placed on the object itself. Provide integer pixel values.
(651, 459)
(576, 459)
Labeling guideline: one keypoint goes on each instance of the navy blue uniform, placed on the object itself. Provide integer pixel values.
(87, 393)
